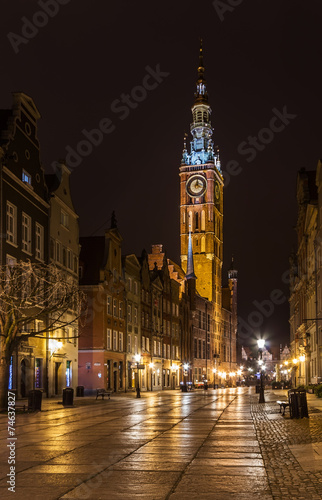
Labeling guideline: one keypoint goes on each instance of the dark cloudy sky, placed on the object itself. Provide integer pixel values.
(260, 56)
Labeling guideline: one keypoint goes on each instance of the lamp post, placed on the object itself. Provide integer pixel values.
(137, 359)
(261, 344)
(185, 373)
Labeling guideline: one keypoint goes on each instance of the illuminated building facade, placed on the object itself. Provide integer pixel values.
(201, 229)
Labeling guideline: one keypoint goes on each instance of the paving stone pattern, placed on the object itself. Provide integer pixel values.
(168, 445)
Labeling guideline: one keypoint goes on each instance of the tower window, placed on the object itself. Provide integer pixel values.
(197, 220)
(203, 244)
(203, 221)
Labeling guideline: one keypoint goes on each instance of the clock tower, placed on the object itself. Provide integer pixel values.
(201, 200)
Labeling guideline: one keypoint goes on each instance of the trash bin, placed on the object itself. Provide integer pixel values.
(34, 400)
(80, 391)
(68, 396)
(258, 389)
(298, 403)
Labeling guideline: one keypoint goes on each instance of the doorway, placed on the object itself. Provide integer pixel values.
(57, 377)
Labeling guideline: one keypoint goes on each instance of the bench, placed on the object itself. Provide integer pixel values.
(103, 392)
(283, 404)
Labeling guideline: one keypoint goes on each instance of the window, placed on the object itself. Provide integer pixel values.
(136, 288)
(109, 339)
(64, 219)
(135, 315)
(203, 221)
(64, 256)
(164, 350)
(147, 344)
(142, 318)
(109, 304)
(129, 343)
(129, 313)
(114, 340)
(75, 264)
(159, 348)
(26, 233)
(168, 352)
(203, 244)
(120, 341)
(115, 308)
(26, 177)
(39, 243)
(135, 344)
(120, 309)
(155, 347)
(69, 259)
(11, 223)
(177, 352)
(129, 284)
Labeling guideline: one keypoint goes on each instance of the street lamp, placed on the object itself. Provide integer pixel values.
(137, 358)
(185, 373)
(261, 344)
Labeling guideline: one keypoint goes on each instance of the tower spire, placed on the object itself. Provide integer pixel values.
(201, 94)
(190, 266)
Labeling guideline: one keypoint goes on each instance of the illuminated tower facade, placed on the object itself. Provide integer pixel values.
(201, 201)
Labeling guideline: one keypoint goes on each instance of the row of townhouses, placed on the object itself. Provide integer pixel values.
(306, 281)
(150, 322)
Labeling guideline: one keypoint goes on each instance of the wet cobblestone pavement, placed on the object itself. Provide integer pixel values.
(210, 444)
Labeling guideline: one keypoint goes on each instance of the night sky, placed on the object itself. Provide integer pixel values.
(259, 57)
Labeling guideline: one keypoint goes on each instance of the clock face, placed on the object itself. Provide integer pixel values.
(196, 185)
(217, 191)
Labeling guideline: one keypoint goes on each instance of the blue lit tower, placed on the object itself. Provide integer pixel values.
(201, 200)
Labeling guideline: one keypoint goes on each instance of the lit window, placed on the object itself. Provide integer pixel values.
(11, 223)
(114, 340)
(109, 339)
(120, 341)
(109, 304)
(39, 243)
(129, 313)
(26, 177)
(143, 343)
(26, 233)
(115, 308)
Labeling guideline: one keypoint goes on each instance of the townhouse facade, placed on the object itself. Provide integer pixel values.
(30, 216)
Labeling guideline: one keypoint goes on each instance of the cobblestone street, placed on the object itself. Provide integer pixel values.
(171, 445)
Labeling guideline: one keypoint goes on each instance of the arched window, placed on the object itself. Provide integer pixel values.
(203, 221)
(183, 217)
(203, 244)
(190, 221)
(197, 220)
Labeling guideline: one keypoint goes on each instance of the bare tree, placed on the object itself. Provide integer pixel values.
(31, 292)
